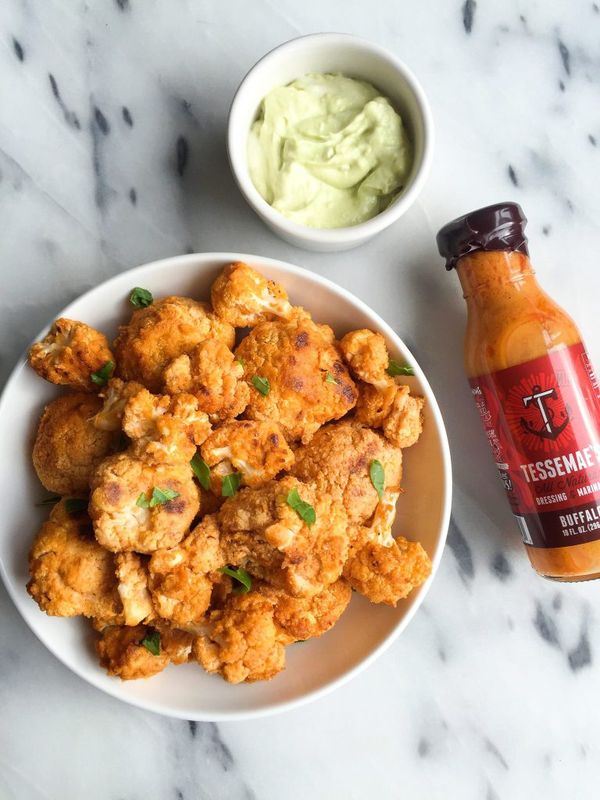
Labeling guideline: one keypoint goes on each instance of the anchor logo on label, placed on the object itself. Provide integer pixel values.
(539, 397)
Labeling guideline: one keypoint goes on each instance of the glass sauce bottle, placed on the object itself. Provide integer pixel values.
(535, 390)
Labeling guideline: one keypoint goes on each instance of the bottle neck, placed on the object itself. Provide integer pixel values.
(490, 277)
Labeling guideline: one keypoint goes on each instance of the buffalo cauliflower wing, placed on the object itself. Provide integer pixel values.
(163, 428)
(366, 354)
(71, 574)
(302, 618)
(68, 446)
(182, 577)
(296, 376)
(130, 506)
(70, 353)
(337, 461)
(258, 451)
(384, 569)
(263, 531)
(142, 651)
(212, 374)
(132, 586)
(243, 642)
(394, 409)
(161, 332)
(114, 399)
(243, 297)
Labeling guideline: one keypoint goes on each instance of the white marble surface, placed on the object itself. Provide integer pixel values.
(493, 690)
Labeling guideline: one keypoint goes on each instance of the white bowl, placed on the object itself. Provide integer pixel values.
(313, 668)
(331, 52)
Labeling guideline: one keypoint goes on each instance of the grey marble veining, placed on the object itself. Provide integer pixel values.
(112, 125)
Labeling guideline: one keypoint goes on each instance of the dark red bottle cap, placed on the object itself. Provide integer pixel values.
(497, 227)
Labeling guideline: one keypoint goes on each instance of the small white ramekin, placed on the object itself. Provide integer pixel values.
(331, 52)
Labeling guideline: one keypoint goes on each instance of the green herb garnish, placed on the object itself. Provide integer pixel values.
(151, 642)
(231, 483)
(329, 378)
(304, 510)
(102, 375)
(159, 497)
(141, 298)
(377, 475)
(262, 385)
(75, 505)
(201, 471)
(239, 575)
(395, 368)
(49, 501)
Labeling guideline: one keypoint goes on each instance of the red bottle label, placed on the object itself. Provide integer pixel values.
(542, 420)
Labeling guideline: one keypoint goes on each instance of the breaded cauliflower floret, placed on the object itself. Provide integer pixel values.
(212, 374)
(308, 383)
(258, 451)
(384, 569)
(399, 413)
(338, 459)
(182, 577)
(70, 573)
(302, 618)
(132, 576)
(126, 511)
(114, 398)
(161, 332)
(366, 354)
(67, 445)
(70, 353)
(243, 297)
(123, 654)
(163, 428)
(263, 533)
(243, 643)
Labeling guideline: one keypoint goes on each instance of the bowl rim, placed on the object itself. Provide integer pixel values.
(363, 230)
(275, 707)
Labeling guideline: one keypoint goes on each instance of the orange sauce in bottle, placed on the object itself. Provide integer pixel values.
(535, 390)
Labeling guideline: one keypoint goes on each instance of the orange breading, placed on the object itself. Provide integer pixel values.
(123, 654)
(70, 353)
(71, 574)
(263, 533)
(395, 410)
(121, 524)
(337, 461)
(161, 332)
(366, 354)
(243, 297)
(308, 384)
(68, 446)
(243, 642)
(257, 450)
(114, 398)
(210, 373)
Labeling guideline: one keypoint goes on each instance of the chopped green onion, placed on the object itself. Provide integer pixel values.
(239, 575)
(141, 298)
(201, 471)
(102, 375)
(329, 378)
(231, 483)
(75, 505)
(262, 385)
(151, 642)
(377, 475)
(395, 368)
(304, 510)
(159, 497)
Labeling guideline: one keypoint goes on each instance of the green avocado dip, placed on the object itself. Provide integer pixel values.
(328, 151)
